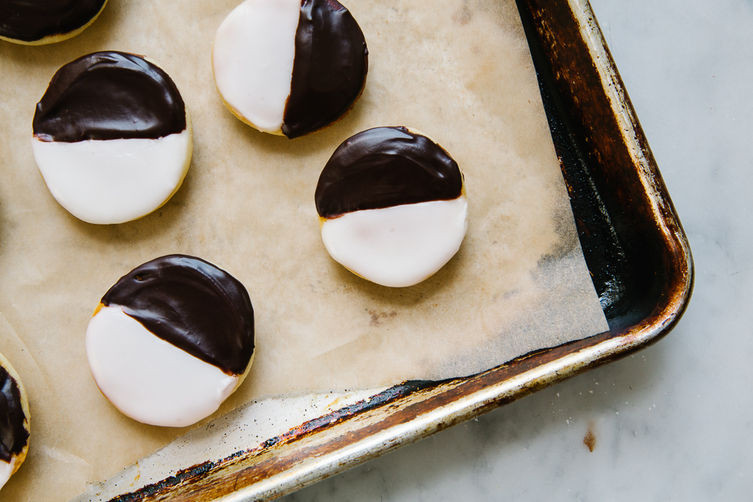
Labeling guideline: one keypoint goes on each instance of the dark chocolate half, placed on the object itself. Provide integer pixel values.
(193, 305)
(13, 432)
(32, 20)
(329, 69)
(384, 167)
(109, 95)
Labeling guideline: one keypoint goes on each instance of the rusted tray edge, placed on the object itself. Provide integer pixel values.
(338, 445)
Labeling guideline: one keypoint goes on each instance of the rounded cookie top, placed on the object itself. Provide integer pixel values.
(384, 167)
(14, 421)
(290, 66)
(193, 305)
(171, 340)
(109, 95)
(112, 138)
(392, 206)
(31, 21)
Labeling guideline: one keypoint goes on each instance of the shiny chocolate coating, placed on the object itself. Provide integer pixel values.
(385, 167)
(13, 432)
(329, 69)
(32, 20)
(109, 95)
(193, 305)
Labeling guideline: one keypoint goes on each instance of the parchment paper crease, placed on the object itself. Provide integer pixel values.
(459, 71)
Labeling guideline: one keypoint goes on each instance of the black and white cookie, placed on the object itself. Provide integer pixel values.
(392, 206)
(112, 137)
(171, 340)
(289, 67)
(39, 22)
(14, 421)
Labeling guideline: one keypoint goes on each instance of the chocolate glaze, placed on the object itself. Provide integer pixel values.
(193, 305)
(13, 432)
(31, 20)
(109, 95)
(384, 167)
(329, 70)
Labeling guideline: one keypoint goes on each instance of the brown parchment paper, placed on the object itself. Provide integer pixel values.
(459, 71)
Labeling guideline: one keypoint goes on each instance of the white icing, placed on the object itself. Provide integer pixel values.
(117, 180)
(253, 58)
(6, 469)
(397, 246)
(149, 379)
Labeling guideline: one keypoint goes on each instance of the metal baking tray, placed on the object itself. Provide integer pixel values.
(633, 243)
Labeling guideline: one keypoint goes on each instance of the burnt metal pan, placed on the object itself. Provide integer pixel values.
(633, 243)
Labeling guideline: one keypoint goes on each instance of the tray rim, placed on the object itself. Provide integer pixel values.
(497, 386)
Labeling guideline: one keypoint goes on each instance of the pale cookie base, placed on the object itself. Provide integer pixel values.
(252, 61)
(148, 378)
(118, 180)
(398, 246)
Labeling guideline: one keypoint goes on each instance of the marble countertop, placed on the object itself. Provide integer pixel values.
(674, 421)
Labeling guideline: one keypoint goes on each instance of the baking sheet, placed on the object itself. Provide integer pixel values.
(459, 71)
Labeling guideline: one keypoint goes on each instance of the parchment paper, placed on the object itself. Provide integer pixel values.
(459, 71)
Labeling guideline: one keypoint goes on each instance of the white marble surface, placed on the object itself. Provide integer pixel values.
(675, 421)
